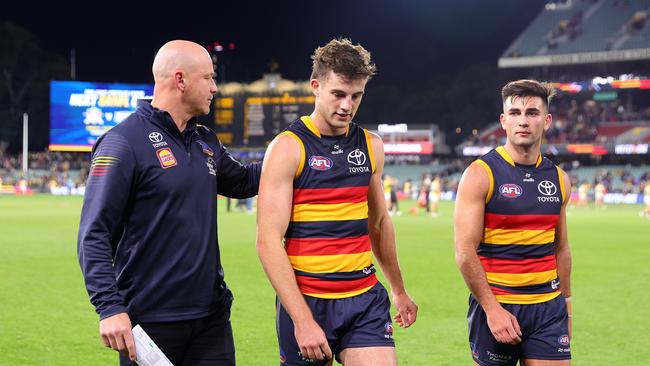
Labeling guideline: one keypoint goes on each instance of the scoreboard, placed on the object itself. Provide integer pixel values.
(247, 120)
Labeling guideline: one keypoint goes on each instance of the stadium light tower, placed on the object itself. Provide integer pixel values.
(25, 145)
(218, 53)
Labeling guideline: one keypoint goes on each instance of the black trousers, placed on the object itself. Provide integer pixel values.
(197, 342)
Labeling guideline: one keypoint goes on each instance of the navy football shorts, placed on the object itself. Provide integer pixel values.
(544, 328)
(357, 321)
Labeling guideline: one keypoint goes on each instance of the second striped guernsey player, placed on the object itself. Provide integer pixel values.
(511, 241)
(321, 216)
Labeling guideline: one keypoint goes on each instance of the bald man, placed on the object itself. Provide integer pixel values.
(147, 243)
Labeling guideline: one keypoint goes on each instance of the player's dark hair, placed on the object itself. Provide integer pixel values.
(528, 88)
(341, 56)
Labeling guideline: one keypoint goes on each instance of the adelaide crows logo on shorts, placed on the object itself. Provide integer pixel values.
(166, 158)
(388, 328)
(320, 163)
(563, 340)
(510, 190)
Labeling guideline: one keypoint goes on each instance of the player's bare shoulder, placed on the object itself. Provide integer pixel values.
(285, 152)
(376, 141)
(476, 177)
(287, 145)
(565, 180)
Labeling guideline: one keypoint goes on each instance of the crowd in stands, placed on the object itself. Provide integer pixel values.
(580, 26)
(615, 179)
(66, 173)
(49, 171)
(637, 22)
(62, 172)
(578, 121)
(565, 30)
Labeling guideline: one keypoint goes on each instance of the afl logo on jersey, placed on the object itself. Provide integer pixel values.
(510, 190)
(320, 163)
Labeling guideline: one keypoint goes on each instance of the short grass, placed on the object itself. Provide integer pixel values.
(46, 319)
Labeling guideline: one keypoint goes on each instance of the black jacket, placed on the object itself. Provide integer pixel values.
(147, 241)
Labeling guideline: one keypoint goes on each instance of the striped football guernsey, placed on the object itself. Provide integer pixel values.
(521, 212)
(327, 238)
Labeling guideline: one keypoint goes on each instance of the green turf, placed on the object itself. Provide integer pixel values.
(46, 319)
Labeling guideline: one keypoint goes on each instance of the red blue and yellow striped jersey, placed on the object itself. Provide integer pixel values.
(522, 210)
(327, 238)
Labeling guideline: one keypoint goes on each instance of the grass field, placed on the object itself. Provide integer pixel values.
(46, 318)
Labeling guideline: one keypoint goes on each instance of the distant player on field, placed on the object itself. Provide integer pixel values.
(511, 241)
(646, 199)
(583, 193)
(435, 193)
(599, 194)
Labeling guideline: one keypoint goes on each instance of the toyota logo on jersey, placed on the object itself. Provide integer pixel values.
(357, 157)
(322, 163)
(547, 188)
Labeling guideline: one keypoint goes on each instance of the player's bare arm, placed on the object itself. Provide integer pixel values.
(382, 238)
(469, 215)
(274, 211)
(562, 250)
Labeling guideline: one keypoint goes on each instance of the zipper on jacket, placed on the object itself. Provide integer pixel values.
(187, 140)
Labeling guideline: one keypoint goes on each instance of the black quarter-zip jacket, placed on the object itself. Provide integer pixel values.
(147, 242)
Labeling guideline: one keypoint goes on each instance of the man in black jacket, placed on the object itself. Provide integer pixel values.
(147, 241)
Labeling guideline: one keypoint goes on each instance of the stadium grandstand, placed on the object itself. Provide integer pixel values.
(595, 52)
(583, 31)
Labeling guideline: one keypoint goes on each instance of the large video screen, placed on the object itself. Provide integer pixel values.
(80, 112)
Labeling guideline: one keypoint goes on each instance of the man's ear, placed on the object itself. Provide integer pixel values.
(548, 119)
(314, 87)
(179, 80)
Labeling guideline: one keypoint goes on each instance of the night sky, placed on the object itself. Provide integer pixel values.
(436, 59)
(116, 41)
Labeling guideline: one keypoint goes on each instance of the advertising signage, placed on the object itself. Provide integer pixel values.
(80, 112)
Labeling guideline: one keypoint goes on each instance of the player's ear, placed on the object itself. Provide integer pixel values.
(548, 119)
(315, 87)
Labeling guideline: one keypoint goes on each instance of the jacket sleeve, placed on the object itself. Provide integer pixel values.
(107, 194)
(234, 179)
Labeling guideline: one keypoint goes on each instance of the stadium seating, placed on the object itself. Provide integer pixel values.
(413, 172)
(585, 26)
(636, 134)
(616, 183)
(613, 131)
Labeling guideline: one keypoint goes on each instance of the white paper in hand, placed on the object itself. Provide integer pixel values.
(147, 352)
